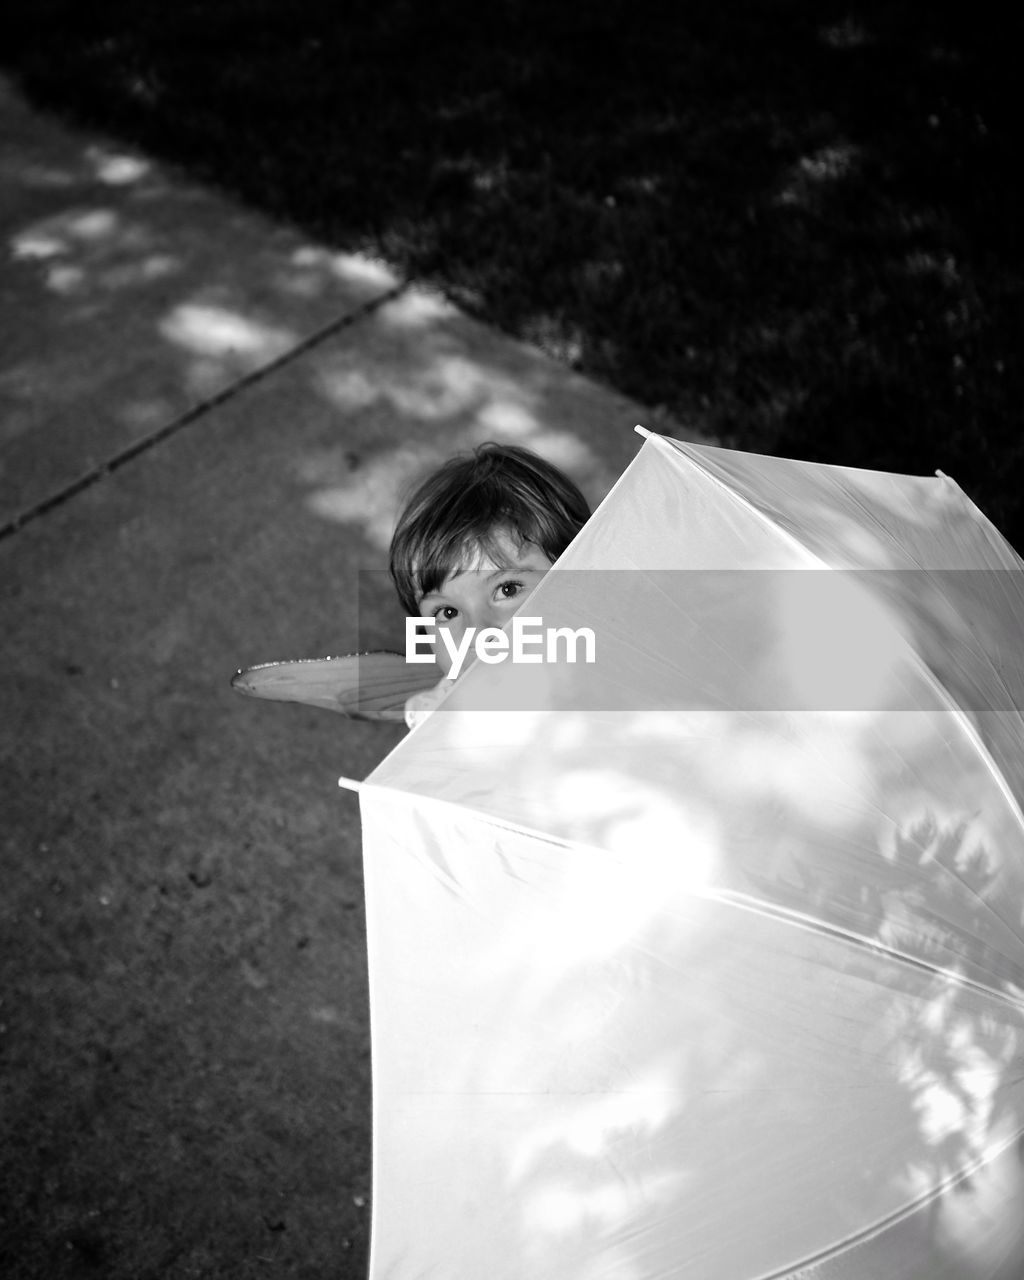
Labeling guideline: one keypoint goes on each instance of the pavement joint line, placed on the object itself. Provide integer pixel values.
(186, 419)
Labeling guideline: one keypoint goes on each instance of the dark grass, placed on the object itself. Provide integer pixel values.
(795, 225)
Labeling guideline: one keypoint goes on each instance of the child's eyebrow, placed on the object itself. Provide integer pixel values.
(510, 568)
(459, 573)
(439, 591)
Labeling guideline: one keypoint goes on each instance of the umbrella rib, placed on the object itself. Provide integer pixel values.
(866, 1234)
(727, 897)
(936, 686)
(678, 446)
(862, 940)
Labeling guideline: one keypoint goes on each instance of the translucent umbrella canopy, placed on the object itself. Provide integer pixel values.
(706, 959)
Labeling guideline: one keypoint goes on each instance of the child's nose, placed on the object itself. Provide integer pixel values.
(492, 616)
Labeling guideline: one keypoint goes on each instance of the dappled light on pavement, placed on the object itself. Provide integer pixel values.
(221, 343)
(150, 300)
(138, 297)
(422, 384)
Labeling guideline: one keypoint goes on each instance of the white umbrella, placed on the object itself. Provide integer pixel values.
(707, 959)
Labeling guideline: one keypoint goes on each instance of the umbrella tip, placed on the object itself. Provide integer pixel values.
(642, 431)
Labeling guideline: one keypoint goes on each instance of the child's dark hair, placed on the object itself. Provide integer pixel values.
(471, 498)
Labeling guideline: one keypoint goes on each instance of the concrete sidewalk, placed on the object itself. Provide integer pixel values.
(206, 424)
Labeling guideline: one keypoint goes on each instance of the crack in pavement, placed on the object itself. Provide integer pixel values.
(108, 467)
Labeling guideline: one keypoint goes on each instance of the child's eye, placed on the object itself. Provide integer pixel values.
(446, 612)
(509, 590)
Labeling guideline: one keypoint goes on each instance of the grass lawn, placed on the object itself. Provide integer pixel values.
(794, 225)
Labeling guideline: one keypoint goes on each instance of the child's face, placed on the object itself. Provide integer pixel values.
(486, 592)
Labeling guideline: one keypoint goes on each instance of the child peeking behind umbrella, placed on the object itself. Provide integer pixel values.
(474, 540)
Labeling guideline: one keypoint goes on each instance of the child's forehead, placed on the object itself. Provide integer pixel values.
(500, 548)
